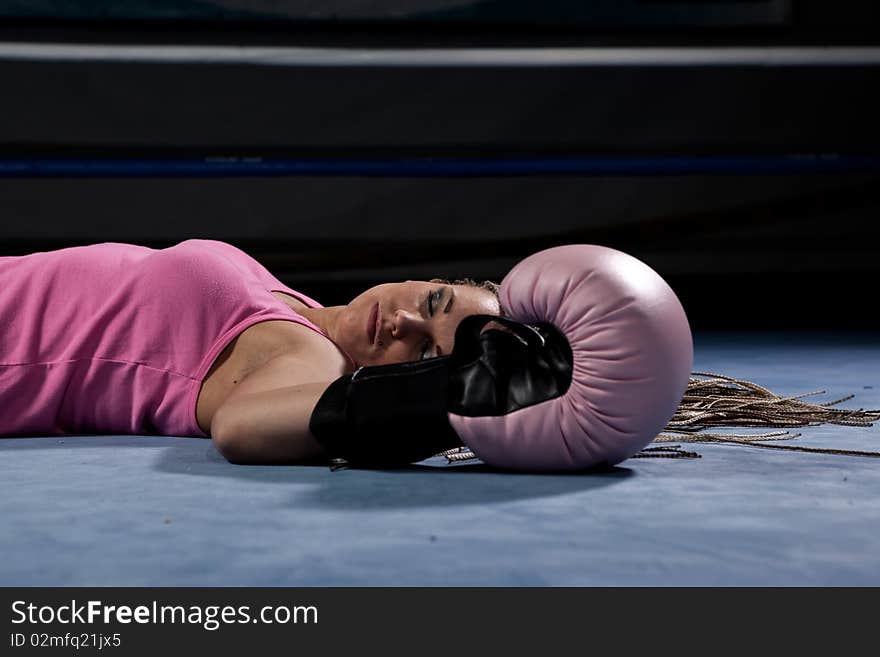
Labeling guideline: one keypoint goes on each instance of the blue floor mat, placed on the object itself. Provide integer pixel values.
(165, 511)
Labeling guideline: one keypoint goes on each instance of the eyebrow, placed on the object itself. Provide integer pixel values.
(446, 310)
(451, 300)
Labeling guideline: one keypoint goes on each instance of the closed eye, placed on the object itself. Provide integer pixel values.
(431, 304)
(433, 300)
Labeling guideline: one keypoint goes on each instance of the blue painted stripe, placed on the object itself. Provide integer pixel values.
(437, 167)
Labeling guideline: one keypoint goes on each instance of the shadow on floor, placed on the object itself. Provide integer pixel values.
(433, 482)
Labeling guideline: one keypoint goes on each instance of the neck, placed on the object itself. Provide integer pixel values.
(325, 319)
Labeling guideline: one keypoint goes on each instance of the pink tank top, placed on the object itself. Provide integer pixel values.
(116, 338)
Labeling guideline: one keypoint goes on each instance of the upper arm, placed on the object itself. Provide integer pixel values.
(271, 426)
(314, 359)
(266, 417)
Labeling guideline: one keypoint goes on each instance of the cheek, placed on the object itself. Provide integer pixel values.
(397, 353)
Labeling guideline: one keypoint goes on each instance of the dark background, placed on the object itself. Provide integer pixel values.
(742, 251)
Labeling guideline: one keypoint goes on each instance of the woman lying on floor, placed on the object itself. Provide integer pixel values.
(199, 339)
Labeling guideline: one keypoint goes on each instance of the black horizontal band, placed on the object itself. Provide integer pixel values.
(785, 163)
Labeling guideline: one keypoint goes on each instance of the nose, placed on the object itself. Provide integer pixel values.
(404, 323)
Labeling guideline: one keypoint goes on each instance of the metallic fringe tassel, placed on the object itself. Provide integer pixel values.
(720, 400)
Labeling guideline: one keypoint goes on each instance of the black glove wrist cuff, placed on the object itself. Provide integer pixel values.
(386, 415)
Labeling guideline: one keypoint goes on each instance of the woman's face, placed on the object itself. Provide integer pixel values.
(413, 320)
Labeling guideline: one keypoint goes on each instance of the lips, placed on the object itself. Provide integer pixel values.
(373, 323)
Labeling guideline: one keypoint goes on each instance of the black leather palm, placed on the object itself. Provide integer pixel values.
(496, 372)
(385, 415)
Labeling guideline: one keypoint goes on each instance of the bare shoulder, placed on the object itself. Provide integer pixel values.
(309, 357)
(309, 345)
(319, 357)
